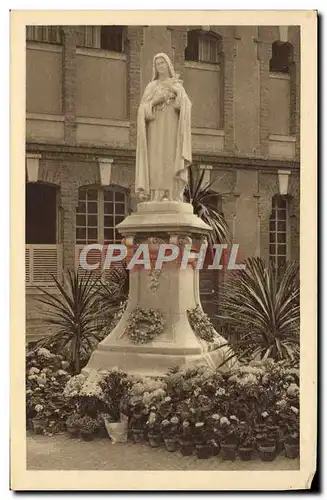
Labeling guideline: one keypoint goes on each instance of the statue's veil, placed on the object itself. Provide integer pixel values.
(168, 61)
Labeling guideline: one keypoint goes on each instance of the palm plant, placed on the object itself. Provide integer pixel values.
(72, 310)
(201, 197)
(267, 306)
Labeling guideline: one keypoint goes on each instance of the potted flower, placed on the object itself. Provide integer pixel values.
(39, 421)
(169, 430)
(215, 440)
(246, 441)
(186, 439)
(137, 422)
(202, 440)
(291, 433)
(73, 425)
(153, 425)
(266, 440)
(229, 437)
(88, 426)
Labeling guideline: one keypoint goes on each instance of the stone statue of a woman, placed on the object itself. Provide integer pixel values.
(163, 135)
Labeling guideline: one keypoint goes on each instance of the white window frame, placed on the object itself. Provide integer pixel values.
(101, 213)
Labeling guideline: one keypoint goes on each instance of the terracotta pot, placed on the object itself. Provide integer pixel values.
(38, 425)
(228, 451)
(87, 436)
(171, 444)
(215, 448)
(186, 448)
(292, 450)
(73, 432)
(138, 435)
(245, 453)
(267, 452)
(203, 451)
(154, 440)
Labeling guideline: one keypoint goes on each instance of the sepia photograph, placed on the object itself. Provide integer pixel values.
(162, 199)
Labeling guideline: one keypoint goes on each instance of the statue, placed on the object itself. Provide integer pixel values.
(163, 151)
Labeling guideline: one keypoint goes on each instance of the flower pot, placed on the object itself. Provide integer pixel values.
(73, 432)
(154, 440)
(228, 451)
(203, 451)
(138, 435)
(87, 436)
(267, 452)
(117, 431)
(186, 448)
(38, 426)
(292, 450)
(171, 444)
(245, 453)
(215, 448)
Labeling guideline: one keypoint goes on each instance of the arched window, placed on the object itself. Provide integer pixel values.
(203, 46)
(279, 231)
(98, 213)
(102, 37)
(282, 56)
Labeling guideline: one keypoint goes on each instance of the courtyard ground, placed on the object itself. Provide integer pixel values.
(63, 453)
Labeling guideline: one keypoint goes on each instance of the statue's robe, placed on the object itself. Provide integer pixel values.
(163, 141)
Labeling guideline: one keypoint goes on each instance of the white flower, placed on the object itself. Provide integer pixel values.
(38, 408)
(220, 392)
(264, 414)
(62, 372)
(167, 399)
(232, 417)
(294, 410)
(215, 416)
(224, 420)
(44, 352)
(34, 370)
(186, 423)
(174, 420)
(199, 424)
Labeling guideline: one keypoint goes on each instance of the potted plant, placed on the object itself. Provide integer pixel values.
(73, 425)
(137, 422)
(39, 422)
(266, 442)
(229, 437)
(88, 427)
(202, 440)
(246, 441)
(186, 439)
(291, 432)
(169, 430)
(216, 437)
(154, 435)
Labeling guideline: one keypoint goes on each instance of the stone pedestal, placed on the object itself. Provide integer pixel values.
(174, 292)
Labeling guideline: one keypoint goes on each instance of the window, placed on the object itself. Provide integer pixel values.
(47, 34)
(98, 213)
(282, 55)
(101, 37)
(278, 231)
(203, 46)
(112, 38)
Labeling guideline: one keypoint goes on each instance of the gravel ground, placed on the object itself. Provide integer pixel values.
(63, 453)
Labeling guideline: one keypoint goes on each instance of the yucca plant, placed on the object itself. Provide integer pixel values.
(201, 197)
(266, 304)
(72, 310)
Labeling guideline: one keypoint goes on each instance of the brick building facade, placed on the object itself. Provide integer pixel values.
(83, 88)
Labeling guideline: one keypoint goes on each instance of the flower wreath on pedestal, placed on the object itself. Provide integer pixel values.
(144, 325)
